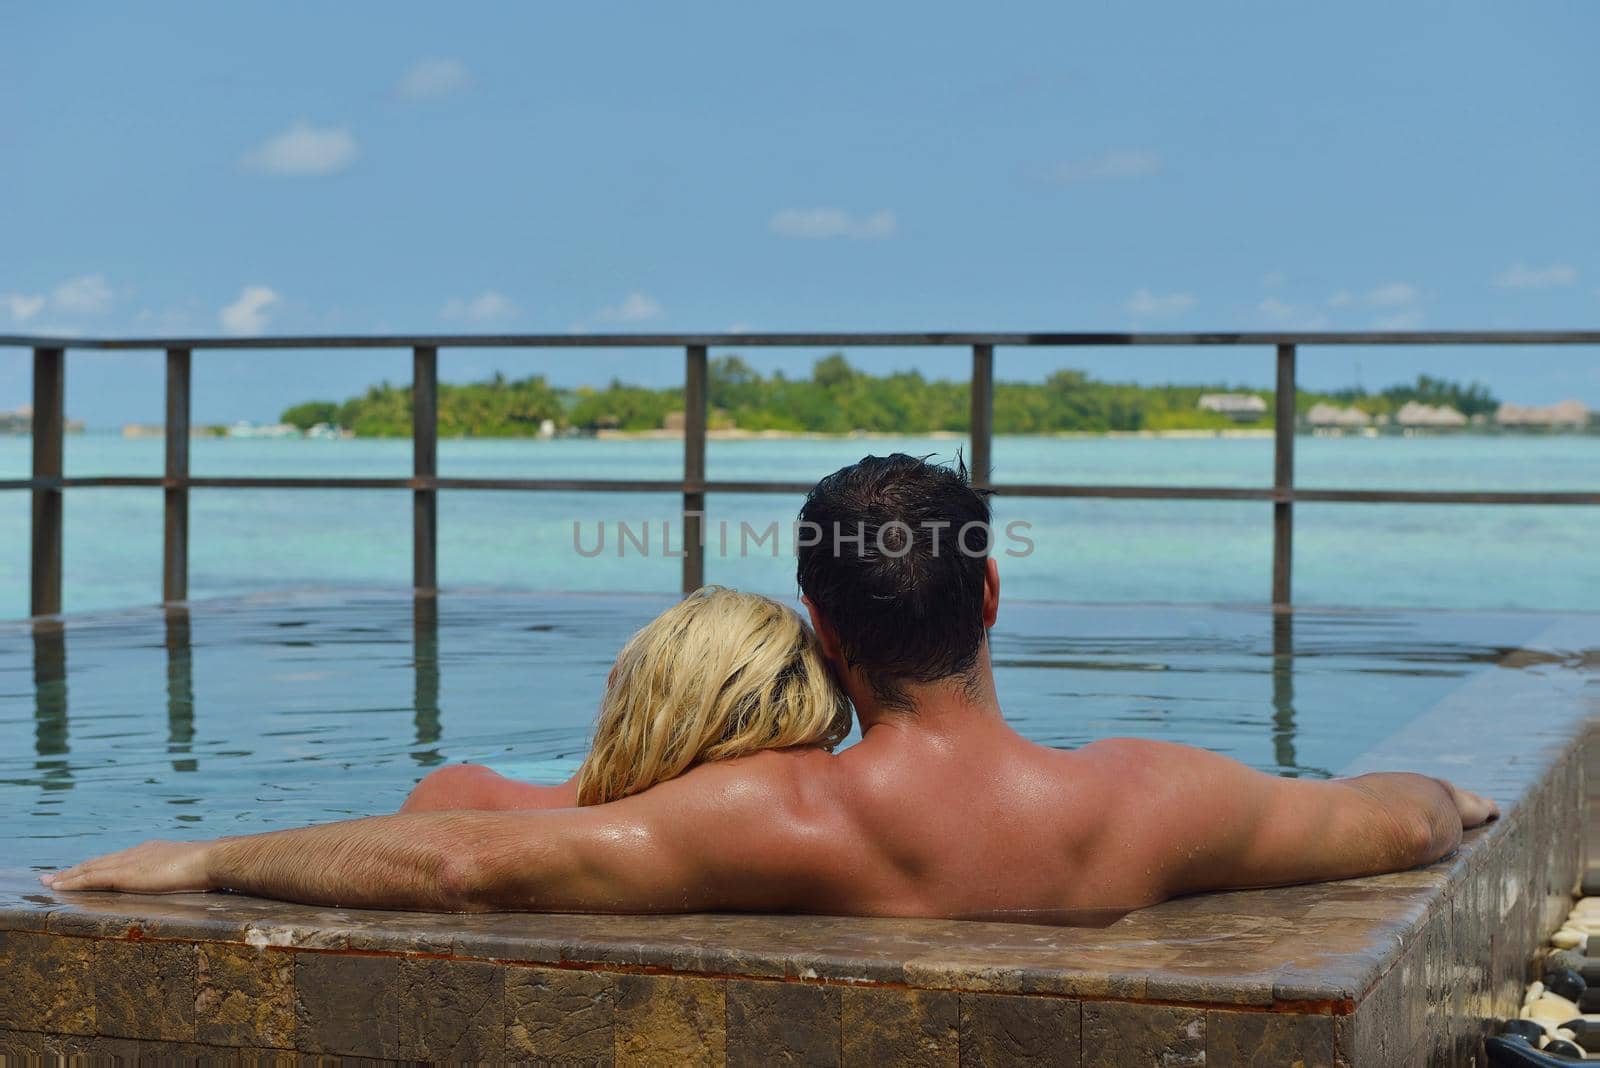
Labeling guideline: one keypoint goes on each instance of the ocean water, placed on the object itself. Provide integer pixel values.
(242, 541)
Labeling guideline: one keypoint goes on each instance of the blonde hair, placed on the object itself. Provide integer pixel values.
(720, 674)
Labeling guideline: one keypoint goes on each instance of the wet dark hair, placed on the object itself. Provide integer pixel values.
(892, 553)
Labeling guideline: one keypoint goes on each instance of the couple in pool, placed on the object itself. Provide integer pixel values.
(712, 783)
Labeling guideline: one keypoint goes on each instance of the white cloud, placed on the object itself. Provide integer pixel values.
(635, 308)
(432, 79)
(1115, 166)
(1292, 316)
(818, 224)
(84, 295)
(1392, 295)
(87, 294)
(1521, 276)
(486, 307)
(248, 314)
(1395, 302)
(1147, 305)
(1409, 319)
(303, 150)
(21, 306)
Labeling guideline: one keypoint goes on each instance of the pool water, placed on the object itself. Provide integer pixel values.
(244, 715)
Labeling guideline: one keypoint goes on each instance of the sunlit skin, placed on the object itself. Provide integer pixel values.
(941, 811)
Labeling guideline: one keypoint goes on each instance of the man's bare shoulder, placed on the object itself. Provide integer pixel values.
(1138, 749)
(1143, 759)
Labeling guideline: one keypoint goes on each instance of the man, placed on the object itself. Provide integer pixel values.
(941, 810)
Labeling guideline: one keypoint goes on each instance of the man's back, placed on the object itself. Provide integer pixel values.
(962, 820)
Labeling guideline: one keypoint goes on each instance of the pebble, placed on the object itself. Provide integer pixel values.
(1532, 1030)
(1588, 967)
(1548, 1006)
(1569, 938)
(1560, 1014)
(1584, 1032)
(1566, 983)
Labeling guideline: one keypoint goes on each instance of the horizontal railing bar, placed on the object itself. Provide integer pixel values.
(1174, 493)
(397, 483)
(579, 485)
(1348, 496)
(812, 340)
(1444, 497)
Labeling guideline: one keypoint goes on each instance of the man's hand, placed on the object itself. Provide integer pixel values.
(1475, 809)
(152, 868)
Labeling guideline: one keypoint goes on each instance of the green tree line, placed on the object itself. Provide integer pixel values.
(838, 398)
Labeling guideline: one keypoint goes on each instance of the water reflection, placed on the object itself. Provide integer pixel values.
(180, 689)
(425, 662)
(1283, 693)
(50, 743)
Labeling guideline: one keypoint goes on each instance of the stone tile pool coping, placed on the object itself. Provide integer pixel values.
(1389, 970)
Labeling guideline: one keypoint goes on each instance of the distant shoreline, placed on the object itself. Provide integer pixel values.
(735, 434)
(153, 433)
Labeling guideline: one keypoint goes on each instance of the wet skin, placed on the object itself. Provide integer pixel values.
(943, 810)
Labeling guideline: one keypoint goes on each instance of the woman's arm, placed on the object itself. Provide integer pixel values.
(475, 787)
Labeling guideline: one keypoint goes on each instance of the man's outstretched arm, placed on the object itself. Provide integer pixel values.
(714, 839)
(415, 861)
(1220, 824)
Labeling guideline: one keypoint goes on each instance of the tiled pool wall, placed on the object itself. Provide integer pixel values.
(1389, 971)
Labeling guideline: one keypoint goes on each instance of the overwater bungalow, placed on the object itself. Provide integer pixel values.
(1240, 407)
(1567, 414)
(1431, 416)
(1331, 416)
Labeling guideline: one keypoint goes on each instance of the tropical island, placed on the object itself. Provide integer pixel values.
(838, 398)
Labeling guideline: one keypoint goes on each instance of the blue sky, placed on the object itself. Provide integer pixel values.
(298, 168)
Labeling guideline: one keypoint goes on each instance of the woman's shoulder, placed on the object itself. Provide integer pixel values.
(779, 775)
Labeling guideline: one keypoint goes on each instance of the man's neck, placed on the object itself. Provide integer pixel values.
(946, 705)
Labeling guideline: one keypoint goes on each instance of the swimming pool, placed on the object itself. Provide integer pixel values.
(242, 715)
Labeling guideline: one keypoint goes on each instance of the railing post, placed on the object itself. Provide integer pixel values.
(982, 421)
(49, 427)
(425, 465)
(1283, 480)
(694, 467)
(175, 540)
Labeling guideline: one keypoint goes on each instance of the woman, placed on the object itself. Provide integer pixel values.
(719, 675)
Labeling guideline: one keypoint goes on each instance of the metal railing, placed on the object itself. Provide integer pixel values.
(48, 481)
